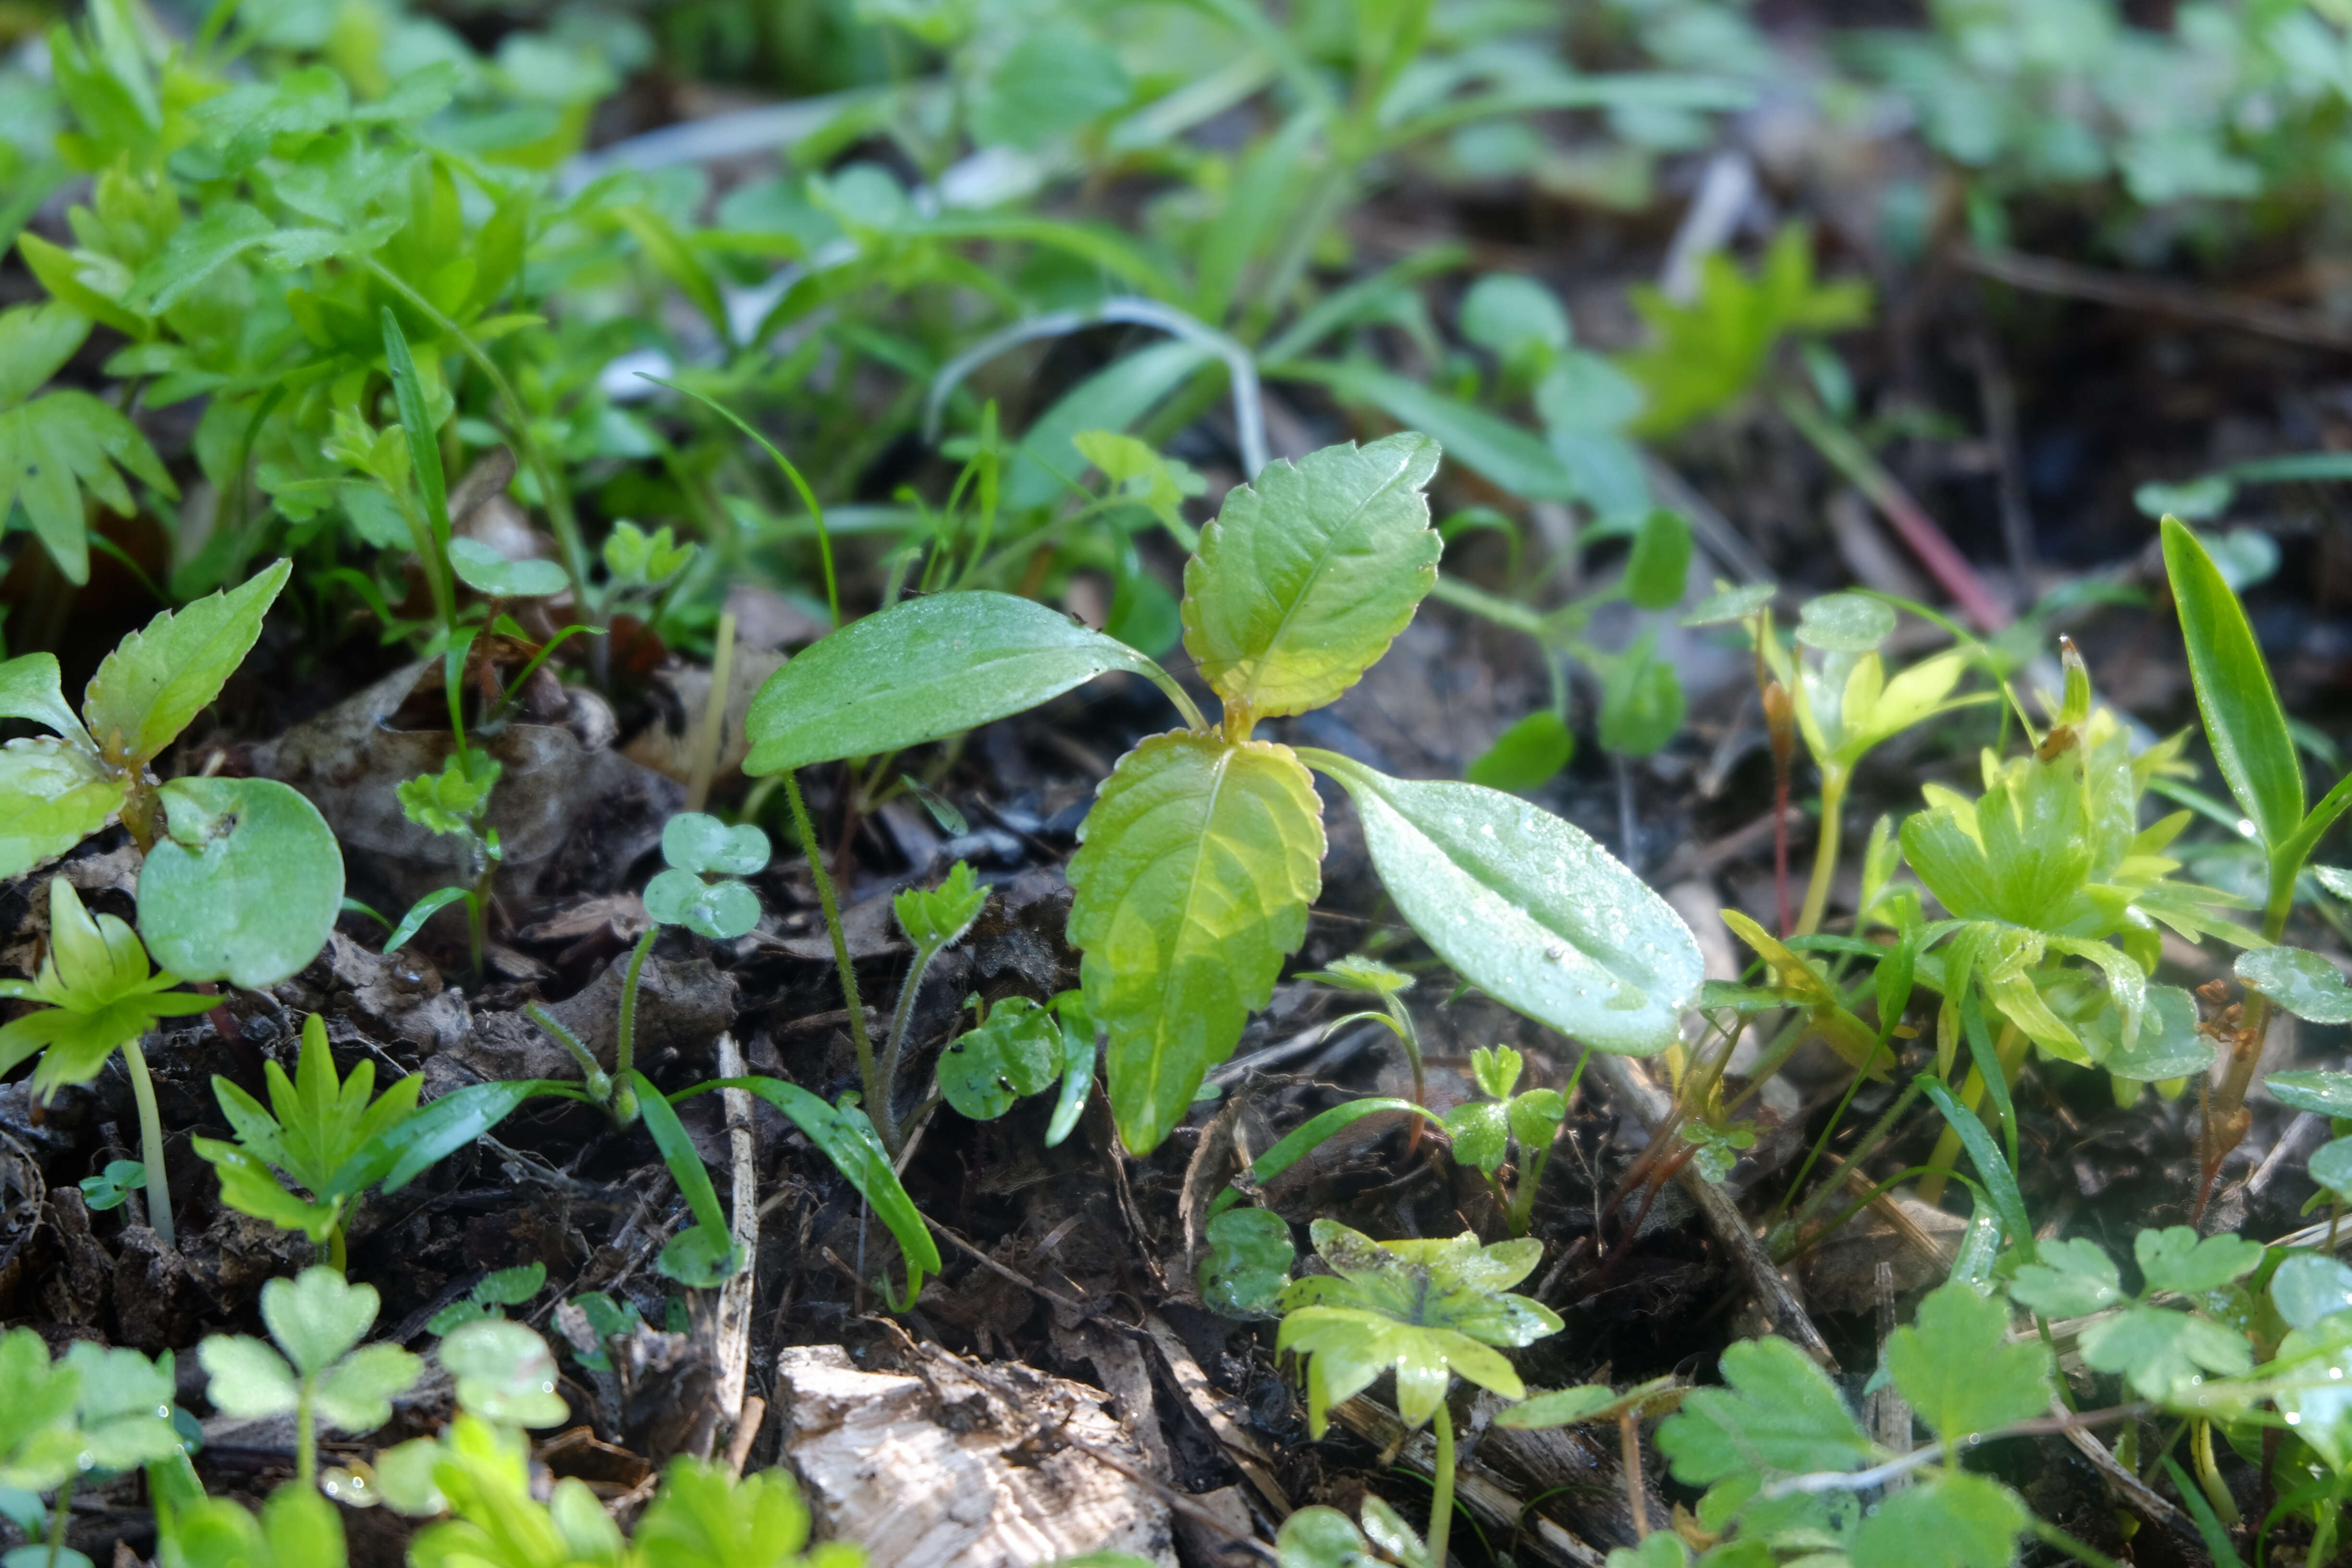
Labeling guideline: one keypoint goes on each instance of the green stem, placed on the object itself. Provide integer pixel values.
(1825, 851)
(338, 1251)
(624, 1049)
(151, 1143)
(57, 1521)
(306, 1440)
(1441, 1502)
(2012, 1052)
(1866, 1148)
(558, 500)
(477, 917)
(599, 1082)
(868, 1071)
(884, 1109)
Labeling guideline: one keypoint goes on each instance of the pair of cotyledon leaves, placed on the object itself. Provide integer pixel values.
(1204, 848)
(245, 879)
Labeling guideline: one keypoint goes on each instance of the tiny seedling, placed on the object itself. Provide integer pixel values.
(1484, 1130)
(455, 803)
(1427, 1309)
(112, 1187)
(1369, 976)
(93, 1414)
(501, 1287)
(319, 1132)
(1203, 850)
(319, 1370)
(101, 999)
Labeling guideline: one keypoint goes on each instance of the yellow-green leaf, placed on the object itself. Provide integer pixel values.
(1198, 861)
(158, 678)
(52, 796)
(1305, 576)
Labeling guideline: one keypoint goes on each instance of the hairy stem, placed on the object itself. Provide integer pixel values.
(599, 1082)
(877, 1102)
(624, 1047)
(899, 1018)
(59, 1519)
(306, 1440)
(151, 1143)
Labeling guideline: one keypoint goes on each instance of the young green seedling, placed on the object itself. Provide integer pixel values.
(501, 1287)
(101, 999)
(933, 920)
(1370, 976)
(94, 1413)
(318, 1319)
(1205, 847)
(1427, 1309)
(1484, 1130)
(456, 803)
(324, 1135)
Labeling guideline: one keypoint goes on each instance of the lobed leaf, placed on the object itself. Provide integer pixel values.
(920, 670)
(160, 678)
(60, 449)
(1529, 909)
(1192, 880)
(1954, 1520)
(1781, 1415)
(1954, 1364)
(1307, 575)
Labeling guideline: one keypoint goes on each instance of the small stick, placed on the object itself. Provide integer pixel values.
(731, 1332)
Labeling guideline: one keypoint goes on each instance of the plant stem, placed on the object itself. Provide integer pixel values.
(600, 1083)
(338, 1251)
(899, 1016)
(1441, 1502)
(57, 1521)
(151, 1143)
(477, 917)
(1826, 850)
(2012, 1052)
(877, 1106)
(306, 1440)
(624, 1048)
(714, 714)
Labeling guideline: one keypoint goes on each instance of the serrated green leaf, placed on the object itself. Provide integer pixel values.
(2070, 1279)
(53, 794)
(2300, 980)
(193, 254)
(32, 688)
(2177, 1259)
(1015, 1052)
(64, 446)
(1949, 1521)
(39, 1447)
(1781, 1415)
(120, 1406)
(937, 918)
(2163, 1353)
(1481, 1135)
(35, 340)
(920, 670)
(1307, 575)
(703, 1515)
(163, 676)
(1954, 1366)
(1247, 1264)
(1193, 880)
(1529, 909)
(2242, 717)
(245, 887)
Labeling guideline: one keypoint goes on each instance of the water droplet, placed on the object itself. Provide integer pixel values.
(2294, 1418)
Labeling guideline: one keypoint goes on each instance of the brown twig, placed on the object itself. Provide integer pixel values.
(2157, 296)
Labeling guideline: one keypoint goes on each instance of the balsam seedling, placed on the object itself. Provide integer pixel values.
(101, 999)
(319, 1370)
(1204, 849)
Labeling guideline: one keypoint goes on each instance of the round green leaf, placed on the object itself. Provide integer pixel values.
(1506, 312)
(1845, 623)
(2331, 1166)
(720, 910)
(2167, 1045)
(486, 571)
(1017, 1052)
(1526, 756)
(1529, 909)
(1660, 564)
(1726, 605)
(2307, 1288)
(245, 885)
(695, 841)
(2300, 980)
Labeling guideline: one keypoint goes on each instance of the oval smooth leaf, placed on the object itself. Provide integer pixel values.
(486, 571)
(920, 670)
(1844, 623)
(1528, 909)
(1197, 863)
(2314, 1089)
(1307, 575)
(2244, 721)
(245, 885)
(2300, 980)
(2305, 1287)
(697, 841)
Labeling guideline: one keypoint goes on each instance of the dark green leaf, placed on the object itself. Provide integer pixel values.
(1014, 1053)
(714, 1256)
(1528, 755)
(1660, 564)
(1247, 1266)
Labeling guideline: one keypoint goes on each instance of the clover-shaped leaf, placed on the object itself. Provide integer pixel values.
(697, 841)
(937, 918)
(122, 1406)
(505, 1373)
(317, 1319)
(1425, 1308)
(39, 1446)
(1480, 1131)
(1247, 1264)
(2178, 1259)
(635, 559)
(249, 1380)
(1017, 1051)
(111, 1186)
(2068, 1279)
(2161, 1353)
(720, 910)
(1495, 1069)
